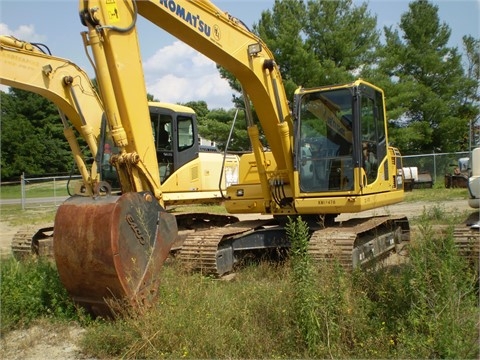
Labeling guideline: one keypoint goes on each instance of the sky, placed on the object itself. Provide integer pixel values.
(174, 72)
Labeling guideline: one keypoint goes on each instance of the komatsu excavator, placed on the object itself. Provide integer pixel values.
(189, 174)
(327, 155)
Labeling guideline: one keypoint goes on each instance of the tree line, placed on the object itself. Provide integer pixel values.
(432, 89)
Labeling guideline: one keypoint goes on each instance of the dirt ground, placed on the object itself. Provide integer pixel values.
(45, 342)
(42, 341)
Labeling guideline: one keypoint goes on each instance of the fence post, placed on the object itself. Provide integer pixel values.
(434, 166)
(22, 189)
(54, 192)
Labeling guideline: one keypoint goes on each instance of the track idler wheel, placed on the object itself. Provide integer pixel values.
(112, 248)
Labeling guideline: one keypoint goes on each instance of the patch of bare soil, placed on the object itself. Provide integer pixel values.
(7, 232)
(43, 341)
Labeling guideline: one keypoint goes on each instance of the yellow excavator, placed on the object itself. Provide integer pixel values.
(327, 155)
(189, 172)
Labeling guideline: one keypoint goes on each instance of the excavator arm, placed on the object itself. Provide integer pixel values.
(24, 66)
(92, 239)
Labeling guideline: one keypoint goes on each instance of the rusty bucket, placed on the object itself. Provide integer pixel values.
(112, 247)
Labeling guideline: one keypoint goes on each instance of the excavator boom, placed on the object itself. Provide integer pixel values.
(25, 67)
(227, 41)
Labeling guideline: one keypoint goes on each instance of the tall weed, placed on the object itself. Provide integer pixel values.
(443, 318)
(303, 282)
(330, 310)
(203, 317)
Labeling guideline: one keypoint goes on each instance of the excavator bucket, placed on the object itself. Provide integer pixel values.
(112, 247)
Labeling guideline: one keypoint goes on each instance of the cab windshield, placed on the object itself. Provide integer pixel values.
(326, 141)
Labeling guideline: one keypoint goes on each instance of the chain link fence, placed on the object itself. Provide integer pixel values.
(44, 191)
(437, 165)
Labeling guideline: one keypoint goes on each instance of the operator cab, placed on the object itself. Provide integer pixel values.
(176, 140)
(176, 136)
(342, 138)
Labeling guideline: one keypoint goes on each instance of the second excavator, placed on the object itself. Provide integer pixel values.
(189, 173)
(328, 154)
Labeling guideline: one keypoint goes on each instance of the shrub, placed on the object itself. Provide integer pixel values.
(31, 289)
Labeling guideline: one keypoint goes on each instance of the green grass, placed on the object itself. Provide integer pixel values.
(202, 317)
(14, 215)
(436, 195)
(36, 189)
(31, 290)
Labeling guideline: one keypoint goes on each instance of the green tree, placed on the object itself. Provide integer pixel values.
(283, 30)
(427, 83)
(315, 43)
(320, 42)
(200, 108)
(215, 125)
(32, 136)
(343, 38)
(471, 103)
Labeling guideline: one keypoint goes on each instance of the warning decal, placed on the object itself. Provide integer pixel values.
(112, 11)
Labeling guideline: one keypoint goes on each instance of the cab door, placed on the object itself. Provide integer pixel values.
(372, 143)
(176, 139)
